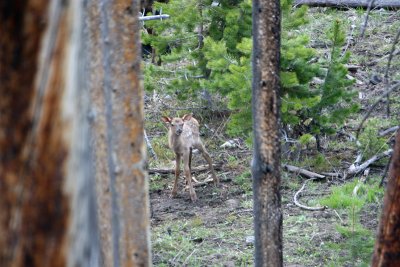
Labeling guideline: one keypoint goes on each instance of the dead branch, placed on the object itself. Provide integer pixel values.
(210, 180)
(352, 68)
(302, 172)
(298, 204)
(149, 146)
(376, 61)
(386, 93)
(387, 131)
(371, 2)
(354, 169)
(217, 166)
(332, 174)
(386, 76)
(394, 4)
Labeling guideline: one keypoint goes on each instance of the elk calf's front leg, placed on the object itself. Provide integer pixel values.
(177, 171)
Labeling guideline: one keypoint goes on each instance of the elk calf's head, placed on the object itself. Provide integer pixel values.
(176, 124)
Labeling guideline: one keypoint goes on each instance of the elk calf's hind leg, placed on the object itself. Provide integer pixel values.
(209, 160)
(188, 177)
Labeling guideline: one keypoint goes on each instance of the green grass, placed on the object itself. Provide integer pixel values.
(342, 196)
(244, 182)
(370, 141)
(357, 245)
(157, 182)
(356, 248)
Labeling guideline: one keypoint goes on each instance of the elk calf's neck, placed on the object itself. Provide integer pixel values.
(183, 136)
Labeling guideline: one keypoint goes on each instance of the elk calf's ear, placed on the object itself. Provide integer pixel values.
(166, 119)
(187, 117)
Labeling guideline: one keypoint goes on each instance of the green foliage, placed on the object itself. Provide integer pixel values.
(306, 139)
(358, 241)
(357, 246)
(223, 63)
(161, 148)
(342, 196)
(244, 181)
(157, 182)
(370, 141)
(334, 99)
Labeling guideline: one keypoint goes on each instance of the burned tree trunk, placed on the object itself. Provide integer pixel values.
(62, 68)
(266, 154)
(117, 126)
(46, 186)
(387, 246)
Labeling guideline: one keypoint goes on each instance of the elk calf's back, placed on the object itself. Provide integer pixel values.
(183, 136)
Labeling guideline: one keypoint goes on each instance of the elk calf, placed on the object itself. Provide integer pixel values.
(183, 136)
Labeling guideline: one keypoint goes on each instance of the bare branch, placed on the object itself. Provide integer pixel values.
(149, 146)
(386, 76)
(353, 169)
(387, 92)
(371, 2)
(387, 131)
(210, 180)
(298, 204)
(217, 166)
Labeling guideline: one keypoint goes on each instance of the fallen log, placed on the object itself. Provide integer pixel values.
(210, 180)
(302, 172)
(387, 131)
(217, 166)
(354, 169)
(394, 4)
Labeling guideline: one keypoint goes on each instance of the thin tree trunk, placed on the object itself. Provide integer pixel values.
(387, 245)
(46, 186)
(117, 112)
(266, 154)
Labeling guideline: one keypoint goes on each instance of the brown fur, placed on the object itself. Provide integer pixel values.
(183, 136)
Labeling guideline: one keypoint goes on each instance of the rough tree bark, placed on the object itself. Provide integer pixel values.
(47, 201)
(117, 120)
(350, 3)
(266, 154)
(387, 245)
(51, 53)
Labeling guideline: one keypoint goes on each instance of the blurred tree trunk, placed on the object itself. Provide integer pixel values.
(64, 65)
(117, 124)
(266, 154)
(387, 245)
(47, 199)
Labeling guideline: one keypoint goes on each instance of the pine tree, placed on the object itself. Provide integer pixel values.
(210, 48)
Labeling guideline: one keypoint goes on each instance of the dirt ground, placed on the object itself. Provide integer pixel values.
(305, 232)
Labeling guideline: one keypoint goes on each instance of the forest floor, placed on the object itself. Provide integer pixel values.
(217, 229)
